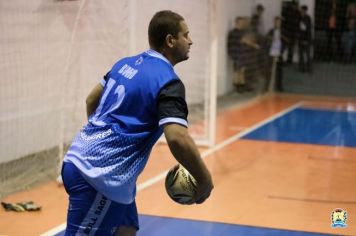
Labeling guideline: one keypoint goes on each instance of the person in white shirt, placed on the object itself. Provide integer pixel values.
(275, 40)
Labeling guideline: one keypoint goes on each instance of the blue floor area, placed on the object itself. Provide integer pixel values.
(164, 226)
(303, 125)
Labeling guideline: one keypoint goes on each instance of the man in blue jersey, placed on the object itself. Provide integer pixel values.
(140, 98)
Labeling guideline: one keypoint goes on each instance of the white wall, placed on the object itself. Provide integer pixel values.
(45, 64)
(54, 52)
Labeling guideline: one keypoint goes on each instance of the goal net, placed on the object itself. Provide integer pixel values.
(54, 52)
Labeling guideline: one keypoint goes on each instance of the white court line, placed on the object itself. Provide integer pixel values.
(55, 230)
(217, 147)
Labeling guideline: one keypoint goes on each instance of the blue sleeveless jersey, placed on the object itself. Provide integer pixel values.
(113, 148)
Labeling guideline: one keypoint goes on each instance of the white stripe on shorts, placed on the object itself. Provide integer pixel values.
(95, 215)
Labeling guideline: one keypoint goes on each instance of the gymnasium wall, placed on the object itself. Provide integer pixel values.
(52, 52)
(49, 59)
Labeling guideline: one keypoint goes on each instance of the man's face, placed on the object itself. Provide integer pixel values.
(239, 23)
(246, 23)
(302, 12)
(182, 43)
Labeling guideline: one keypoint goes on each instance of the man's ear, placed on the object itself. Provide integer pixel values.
(170, 41)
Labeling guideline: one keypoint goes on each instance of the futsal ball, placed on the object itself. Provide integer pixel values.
(180, 185)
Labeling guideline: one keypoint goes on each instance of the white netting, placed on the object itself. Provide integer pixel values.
(54, 52)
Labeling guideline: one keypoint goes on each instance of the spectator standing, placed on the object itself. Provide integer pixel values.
(350, 35)
(256, 20)
(331, 32)
(335, 26)
(304, 40)
(275, 42)
(290, 26)
(239, 42)
(351, 11)
(260, 56)
(349, 39)
(237, 54)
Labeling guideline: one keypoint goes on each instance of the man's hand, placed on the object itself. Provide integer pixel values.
(186, 153)
(203, 191)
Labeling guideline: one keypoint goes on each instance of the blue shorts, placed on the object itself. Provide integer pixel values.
(91, 213)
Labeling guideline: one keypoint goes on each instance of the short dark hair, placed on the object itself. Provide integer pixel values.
(260, 7)
(163, 23)
(305, 8)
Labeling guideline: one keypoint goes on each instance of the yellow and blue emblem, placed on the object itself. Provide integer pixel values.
(338, 218)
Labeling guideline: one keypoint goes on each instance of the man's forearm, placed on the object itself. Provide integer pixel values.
(186, 153)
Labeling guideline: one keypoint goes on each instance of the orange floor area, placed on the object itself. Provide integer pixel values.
(269, 184)
(284, 186)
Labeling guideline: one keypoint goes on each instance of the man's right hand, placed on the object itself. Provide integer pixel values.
(186, 153)
(203, 191)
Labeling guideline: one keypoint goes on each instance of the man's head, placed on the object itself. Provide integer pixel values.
(168, 34)
(303, 10)
(259, 9)
(277, 22)
(246, 23)
(239, 22)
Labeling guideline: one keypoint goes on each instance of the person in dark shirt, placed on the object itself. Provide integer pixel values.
(256, 20)
(349, 41)
(238, 44)
(304, 40)
(290, 21)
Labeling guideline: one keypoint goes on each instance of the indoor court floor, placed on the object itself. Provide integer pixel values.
(281, 165)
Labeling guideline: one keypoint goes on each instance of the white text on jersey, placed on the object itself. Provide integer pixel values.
(127, 71)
